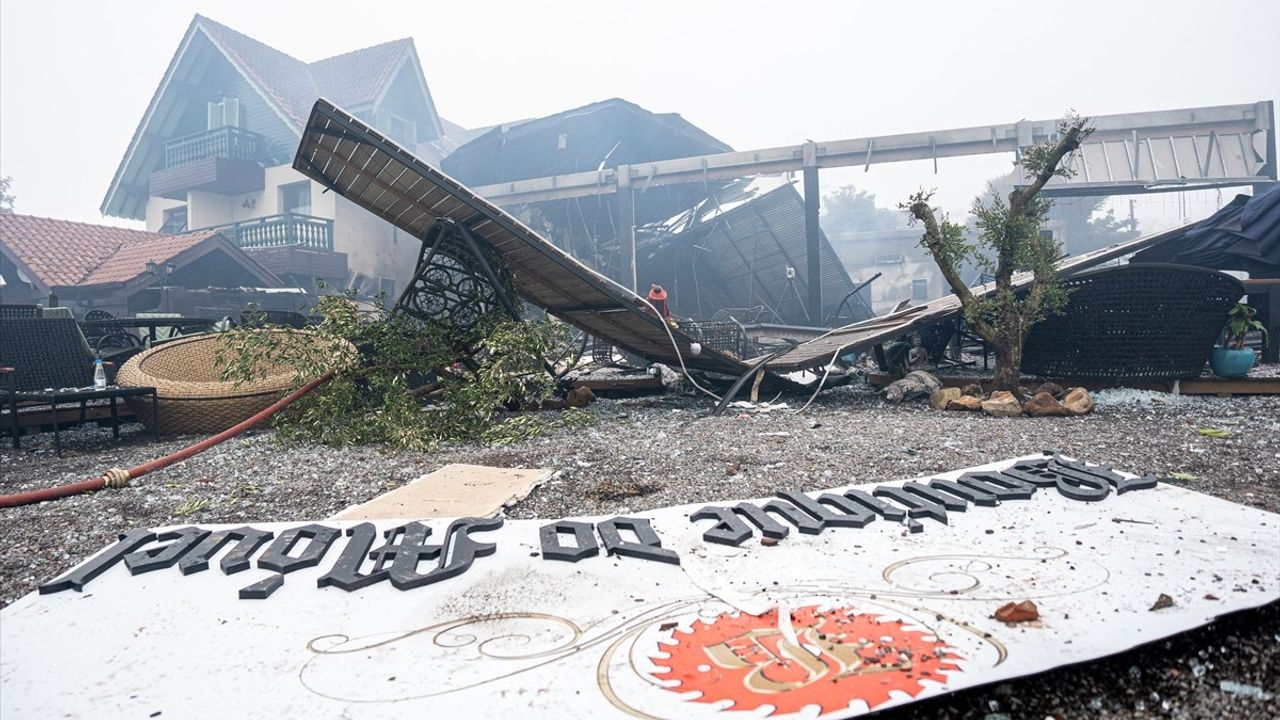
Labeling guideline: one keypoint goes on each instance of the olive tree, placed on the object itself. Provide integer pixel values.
(1009, 241)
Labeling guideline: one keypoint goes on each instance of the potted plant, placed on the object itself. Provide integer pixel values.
(1233, 359)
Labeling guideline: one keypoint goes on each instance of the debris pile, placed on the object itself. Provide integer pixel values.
(1047, 400)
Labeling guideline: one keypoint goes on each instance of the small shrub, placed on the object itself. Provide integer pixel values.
(404, 383)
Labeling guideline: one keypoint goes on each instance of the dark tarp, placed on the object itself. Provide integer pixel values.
(1244, 235)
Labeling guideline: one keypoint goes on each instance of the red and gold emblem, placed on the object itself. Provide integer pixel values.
(837, 656)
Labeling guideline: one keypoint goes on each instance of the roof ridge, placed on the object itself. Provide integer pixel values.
(404, 40)
(238, 34)
(71, 222)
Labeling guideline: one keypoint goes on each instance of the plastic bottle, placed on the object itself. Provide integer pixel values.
(99, 375)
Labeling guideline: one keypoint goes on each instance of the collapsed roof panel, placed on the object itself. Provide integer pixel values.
(858, 337)
(745, 247)
(355, 161)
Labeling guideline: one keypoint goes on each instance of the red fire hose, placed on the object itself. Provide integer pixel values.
(115, 477)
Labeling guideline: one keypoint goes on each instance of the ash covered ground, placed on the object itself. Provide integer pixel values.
(653, 452)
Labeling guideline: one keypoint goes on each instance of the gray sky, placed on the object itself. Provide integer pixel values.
(75, 77)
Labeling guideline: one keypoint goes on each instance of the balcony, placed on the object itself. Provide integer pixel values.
(297, 248)
(287, 230)
(227, 160)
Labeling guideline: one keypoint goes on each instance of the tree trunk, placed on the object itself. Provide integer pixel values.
(1008, 365)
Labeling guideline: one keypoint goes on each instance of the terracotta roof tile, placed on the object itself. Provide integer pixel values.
(62, 253)
(130, 260)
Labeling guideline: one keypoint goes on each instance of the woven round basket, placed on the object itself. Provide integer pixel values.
(191, 396)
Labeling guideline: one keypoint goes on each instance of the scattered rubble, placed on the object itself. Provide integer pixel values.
(670, 449)
(1078, 401)
(1044, 404)
(1052, 388)
(1244, 690)
(580, 397)
(965, 402)
(1011, 612)
(1002, 403)
(916, 384)
(942, 397)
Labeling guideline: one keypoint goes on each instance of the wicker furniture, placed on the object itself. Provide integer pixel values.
(1142, 321)
(46, 362)
(19, 312)
(193, 397)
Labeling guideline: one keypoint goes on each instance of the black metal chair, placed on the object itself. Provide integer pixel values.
(47, 362)
(16, 312)
(1141, 321)
(273, 318)
(109, 339)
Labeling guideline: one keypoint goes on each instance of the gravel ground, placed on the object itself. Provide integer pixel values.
(653, 452)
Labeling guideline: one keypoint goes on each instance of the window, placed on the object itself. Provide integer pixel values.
(224, 112)
(175, 220)
(388, 288)
(397, 128)
(920, 290)
(296, 198)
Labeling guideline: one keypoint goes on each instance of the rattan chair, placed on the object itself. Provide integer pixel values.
(46, 362)
(1142, 321)
(192, 396)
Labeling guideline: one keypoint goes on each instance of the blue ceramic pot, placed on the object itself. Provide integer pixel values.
(1230, 363)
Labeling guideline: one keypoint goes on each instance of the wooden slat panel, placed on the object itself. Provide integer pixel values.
(375, 173)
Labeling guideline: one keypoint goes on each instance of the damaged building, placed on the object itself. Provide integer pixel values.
(597, 137)
(741, 253)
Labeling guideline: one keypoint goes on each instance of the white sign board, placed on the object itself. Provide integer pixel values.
(853, 610)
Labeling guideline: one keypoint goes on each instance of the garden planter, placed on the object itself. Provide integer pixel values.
(1231, 363)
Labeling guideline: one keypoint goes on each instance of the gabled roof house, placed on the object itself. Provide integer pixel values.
(213, 146)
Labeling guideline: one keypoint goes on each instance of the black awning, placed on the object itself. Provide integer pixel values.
(1244, 235)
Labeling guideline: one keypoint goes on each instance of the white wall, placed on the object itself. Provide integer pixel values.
(206, 209)
(374, 249)
(155, 211)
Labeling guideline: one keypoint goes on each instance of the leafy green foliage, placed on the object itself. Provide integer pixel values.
(1078, 222)
(1009, 241)
(7, 198)
(403, 383)
(1240, 323)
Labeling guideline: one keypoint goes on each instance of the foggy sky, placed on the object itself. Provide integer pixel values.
(76, 77)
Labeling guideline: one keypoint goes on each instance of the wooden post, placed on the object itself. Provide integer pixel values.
(812, 232)
(627, 226)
